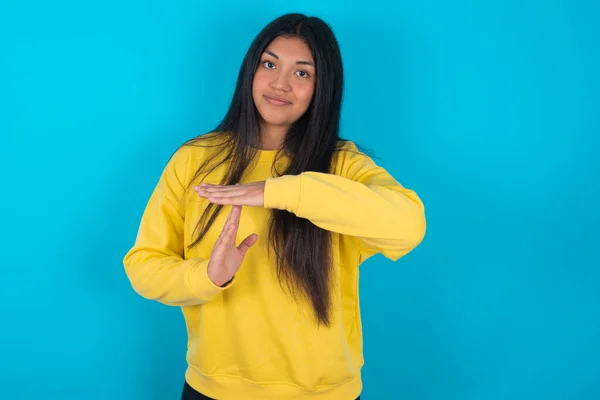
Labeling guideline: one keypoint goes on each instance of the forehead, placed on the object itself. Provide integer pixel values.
(292, 48)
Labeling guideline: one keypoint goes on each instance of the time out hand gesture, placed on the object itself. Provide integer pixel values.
(250, 194)
(226, 257)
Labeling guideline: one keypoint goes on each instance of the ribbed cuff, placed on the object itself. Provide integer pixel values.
(200, 284)
(283, 193)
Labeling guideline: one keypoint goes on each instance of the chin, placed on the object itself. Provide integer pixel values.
(277, 120)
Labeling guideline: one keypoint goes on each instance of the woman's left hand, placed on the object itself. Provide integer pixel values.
(250, 194)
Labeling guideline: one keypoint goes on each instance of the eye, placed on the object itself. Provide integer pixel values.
(302, 74)
(268, 64)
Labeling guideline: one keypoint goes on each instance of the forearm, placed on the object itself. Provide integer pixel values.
(169, 279)
(338, 204)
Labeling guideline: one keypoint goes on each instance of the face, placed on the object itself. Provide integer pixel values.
(284, 82)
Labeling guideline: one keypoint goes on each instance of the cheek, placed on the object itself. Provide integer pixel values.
(304, 94)
(259, 83)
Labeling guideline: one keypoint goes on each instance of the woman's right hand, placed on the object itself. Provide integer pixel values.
(226, 257)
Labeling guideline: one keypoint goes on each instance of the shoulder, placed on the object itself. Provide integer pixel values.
(192, 154)
(203, 146)
(345, 146)
(348, 159)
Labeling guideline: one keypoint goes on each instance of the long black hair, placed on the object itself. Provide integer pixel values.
(303, 250)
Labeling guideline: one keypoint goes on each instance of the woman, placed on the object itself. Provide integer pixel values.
(256, 230)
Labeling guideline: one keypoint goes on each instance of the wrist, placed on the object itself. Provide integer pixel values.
(227, 283)
(219, 279)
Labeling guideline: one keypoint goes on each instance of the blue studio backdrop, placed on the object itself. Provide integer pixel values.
(489, 110)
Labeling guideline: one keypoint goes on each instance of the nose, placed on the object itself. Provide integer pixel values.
(280, 82)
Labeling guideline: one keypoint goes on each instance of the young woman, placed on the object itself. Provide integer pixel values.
(257, 229)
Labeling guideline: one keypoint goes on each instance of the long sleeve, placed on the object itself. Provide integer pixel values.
(363, 200)
(155, 265)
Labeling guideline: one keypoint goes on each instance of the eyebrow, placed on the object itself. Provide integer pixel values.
(297, 62)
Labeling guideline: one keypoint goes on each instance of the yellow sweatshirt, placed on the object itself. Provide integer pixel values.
(250, 340)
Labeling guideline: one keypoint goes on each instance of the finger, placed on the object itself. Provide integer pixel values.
(211, 189)
(217, 188)
(235, 215)
(236, 191)
(233, 201)
(226, 226)
(219, 195)
(236, 219)
(228, 198)
(248, 242)
(233, 225)
(230, 235)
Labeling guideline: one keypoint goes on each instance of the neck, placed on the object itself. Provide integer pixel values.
(272, 136)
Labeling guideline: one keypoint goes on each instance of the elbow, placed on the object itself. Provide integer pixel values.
(418, 225)
(408, 237)
(136, 280)
(413, 230)
(141, 287)
(411, 221)
(419, 229)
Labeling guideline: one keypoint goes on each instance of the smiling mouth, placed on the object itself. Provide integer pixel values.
(277, 102)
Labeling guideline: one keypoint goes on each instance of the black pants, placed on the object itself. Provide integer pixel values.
(190, 394)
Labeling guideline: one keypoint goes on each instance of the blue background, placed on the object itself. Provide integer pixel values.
(489, 110)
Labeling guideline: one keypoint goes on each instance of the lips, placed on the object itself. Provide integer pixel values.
(278, 101)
